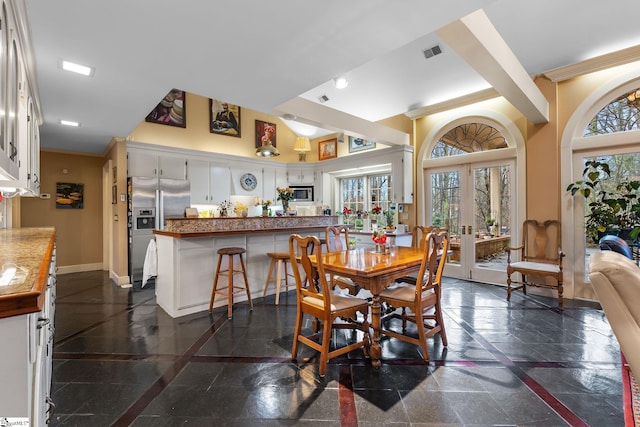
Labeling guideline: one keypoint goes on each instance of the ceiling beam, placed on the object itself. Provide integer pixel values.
(318, 115)
(477, 41)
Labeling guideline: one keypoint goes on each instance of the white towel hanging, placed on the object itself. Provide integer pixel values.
(150, 267)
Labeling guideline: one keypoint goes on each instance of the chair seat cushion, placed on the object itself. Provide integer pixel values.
(338, 302)
(541, 266)
(403, 292)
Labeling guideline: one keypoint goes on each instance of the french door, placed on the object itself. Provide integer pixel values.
(473, 201)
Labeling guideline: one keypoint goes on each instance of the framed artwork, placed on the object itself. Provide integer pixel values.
(224, 118)
(114, 194)
(171, 110)
(69, 196)
(328, 149)
(265, 132)
(359, 144)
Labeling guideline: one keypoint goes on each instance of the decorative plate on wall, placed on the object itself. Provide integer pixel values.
(248, 181)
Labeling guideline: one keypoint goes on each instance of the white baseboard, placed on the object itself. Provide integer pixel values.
(64, 269)
(122, 281)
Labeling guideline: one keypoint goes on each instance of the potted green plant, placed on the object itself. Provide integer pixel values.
(612, 208)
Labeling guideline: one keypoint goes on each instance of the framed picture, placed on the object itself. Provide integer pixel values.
(114, 194)
(69, 196)
(224, 118)
(328, 149)
(359, 144)
(265, 132)
(171, 110)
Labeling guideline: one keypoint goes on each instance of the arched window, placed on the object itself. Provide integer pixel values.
(468, 138)
(619, 115)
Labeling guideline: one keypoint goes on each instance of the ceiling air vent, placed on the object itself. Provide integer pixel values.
(432, 51)
(323, 98)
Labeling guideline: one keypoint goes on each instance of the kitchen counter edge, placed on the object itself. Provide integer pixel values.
(32, 250)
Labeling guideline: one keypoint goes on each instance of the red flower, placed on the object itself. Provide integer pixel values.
(346, 211)
(379, 238)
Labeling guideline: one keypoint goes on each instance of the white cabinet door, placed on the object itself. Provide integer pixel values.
(142, 163)
(220, 184)
(172, 167)
(199, 179)
(300, 175)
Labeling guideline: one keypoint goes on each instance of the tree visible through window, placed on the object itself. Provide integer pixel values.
(362, 193)
(619, 115)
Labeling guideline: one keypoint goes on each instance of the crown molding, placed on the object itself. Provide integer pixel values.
(598, 63)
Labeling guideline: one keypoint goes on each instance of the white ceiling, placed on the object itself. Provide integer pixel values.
(263, 54)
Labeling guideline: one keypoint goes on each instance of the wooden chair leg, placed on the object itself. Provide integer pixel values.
(278, 278)
(266, 285)
(324, 352)
(215, 284)
(246, 282)
(230, 288)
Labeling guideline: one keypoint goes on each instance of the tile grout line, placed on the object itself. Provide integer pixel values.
(129, 416)
(564, 412)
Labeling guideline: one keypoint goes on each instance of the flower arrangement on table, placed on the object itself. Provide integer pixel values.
(379, 237)
(224, 208)
(285, 195)
(241, 209)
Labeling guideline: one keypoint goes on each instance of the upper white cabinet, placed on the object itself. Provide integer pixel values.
(19, 132)
(210, 182)
(301, 174)
(402, 169)
(149, 163)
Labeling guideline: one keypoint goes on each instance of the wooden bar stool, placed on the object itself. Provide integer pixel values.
(280, 260)
(231, 288)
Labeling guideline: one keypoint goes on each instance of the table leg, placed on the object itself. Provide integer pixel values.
(376, 350)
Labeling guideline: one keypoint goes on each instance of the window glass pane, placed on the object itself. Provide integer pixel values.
(353, 193)
(362, 193)
(620, 115)
(468, 138)
(380, 192)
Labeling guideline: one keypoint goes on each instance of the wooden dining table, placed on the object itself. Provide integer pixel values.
(373, 271)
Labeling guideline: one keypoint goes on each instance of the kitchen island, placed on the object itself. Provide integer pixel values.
(187, 254)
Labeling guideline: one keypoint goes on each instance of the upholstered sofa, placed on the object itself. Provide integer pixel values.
(616, 281)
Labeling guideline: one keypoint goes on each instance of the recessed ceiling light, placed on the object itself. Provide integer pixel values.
(341, 82)
(69, 123)
(76, 68)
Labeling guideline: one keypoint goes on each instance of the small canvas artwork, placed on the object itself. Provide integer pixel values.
(265, 133)
(359, 144)
(69, 195)
(171, 110)
(224, 118)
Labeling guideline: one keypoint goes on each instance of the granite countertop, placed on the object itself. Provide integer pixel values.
(201, 227)
(28, 251)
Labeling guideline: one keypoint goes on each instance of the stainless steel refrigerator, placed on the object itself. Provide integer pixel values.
(151, 201)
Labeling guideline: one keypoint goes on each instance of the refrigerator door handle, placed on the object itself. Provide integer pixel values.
(159, 210)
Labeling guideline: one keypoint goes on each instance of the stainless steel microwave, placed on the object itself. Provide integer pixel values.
(302, 193)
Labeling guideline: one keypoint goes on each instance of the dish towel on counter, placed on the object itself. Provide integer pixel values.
(150, 267)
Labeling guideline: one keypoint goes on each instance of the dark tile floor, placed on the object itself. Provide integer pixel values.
(121, 360)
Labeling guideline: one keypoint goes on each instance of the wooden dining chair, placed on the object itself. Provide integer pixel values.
(334, 242)
(418, 240)
(540, 260)
(422, 297)
(317, 301)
